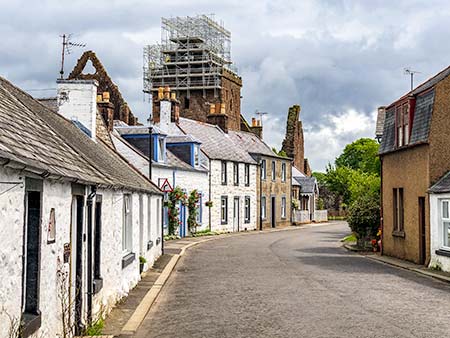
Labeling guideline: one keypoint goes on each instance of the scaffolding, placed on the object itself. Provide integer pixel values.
(192, 55)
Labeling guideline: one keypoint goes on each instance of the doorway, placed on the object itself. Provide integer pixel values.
(272, 212)
(77, 261)
(422, 233)
(236, 211)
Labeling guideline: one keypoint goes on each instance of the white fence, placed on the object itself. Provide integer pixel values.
(301, 216)
(321, 215)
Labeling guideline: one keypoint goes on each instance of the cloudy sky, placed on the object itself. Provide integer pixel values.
(339, 60)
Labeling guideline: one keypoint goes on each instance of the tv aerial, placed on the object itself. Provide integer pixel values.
(67, 46)
(410, 72)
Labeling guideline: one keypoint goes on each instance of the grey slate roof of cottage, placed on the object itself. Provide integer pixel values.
(33, 135)
(307, 184)
(124, 129)
(181, 139)
(422, 115)
(252, 144)
(216, 144)
(441, 186)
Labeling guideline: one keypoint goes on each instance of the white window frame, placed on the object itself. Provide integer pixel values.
(283, 172)
(247, 175)
(263, 207)
(283, 207)
(442, 220)
(127, 224)
(223, 176)
(196, 156)
(274, 171)
(247, 213)
(236, 173)
(161, 146)
(263, 169)
(224, 209)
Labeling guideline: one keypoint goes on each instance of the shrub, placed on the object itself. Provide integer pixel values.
(364, 217)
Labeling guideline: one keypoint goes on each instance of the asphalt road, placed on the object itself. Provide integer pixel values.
(298, 283)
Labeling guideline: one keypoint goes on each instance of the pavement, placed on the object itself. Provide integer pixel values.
(299, 283)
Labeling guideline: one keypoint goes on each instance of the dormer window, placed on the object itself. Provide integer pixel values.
(196, 156)
(402, 122)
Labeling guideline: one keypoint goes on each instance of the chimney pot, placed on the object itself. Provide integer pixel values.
(222, 108)
(212, 109)
(99, 98)
(253, 122)
(105, 96)
(167, 92)
(160, 93)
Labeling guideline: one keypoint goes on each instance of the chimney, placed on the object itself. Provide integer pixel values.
(165, 109)
(175, 113)
(77, 101)
(256, 127)
(218, 116)
(106, 109)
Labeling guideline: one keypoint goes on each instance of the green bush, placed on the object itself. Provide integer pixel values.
(364, 216)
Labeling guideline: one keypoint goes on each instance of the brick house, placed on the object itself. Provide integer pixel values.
(414, 155)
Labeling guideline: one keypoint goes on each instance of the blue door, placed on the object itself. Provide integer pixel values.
(183, 229)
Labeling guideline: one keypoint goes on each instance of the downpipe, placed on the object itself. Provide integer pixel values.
(90, 281)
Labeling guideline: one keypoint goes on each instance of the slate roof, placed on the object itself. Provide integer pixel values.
(441, 186)
(216, 144)
(124, 129)
(307, 184)
(33, 135)
(252, 144)
(424, 94)
(181, 139)
(381, 115)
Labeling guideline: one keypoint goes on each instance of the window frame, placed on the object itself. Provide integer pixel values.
(127, 225)
(263, 208)
(224, 209)
(223, 172)
(442, 221)
(398, 211)
(283, 172)
(283, 207)
(247, 174)
(247, 207)
(263, 169)
(236, 173)
(273, 171)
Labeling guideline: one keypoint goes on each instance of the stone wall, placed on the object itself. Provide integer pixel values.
(293, 143)
(277, 189)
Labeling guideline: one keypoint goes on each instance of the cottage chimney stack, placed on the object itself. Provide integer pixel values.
(77, 101)
(165, 110)
(217, 116)
(256, 127)
(106, 110)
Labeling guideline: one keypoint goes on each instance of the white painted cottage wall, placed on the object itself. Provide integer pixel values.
(218, 190)
(11, 237)
(436, 233)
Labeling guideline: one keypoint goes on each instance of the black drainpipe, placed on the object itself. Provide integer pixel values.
(90, 280)
(162, 226)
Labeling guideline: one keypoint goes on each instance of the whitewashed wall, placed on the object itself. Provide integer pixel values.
(218, 190)
(58, 195)
(11, 239)
(436, 233)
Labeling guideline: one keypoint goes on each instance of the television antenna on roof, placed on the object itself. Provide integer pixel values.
(260, 115)
(67, 46)
(410, 72)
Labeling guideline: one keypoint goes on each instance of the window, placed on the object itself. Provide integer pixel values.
(273, 170)
(263, 207)
(127, 230)
(263, 169)
(402, 122)
(283, 172)
(445, 221)
(224, 172)
(97, 244)
(196, 156)
(283, 207)
(149, 222)
(247, 174)
(199, 213)
(161, 146)
(236, 173)
(398, 210)
(224, 209)
(247, 210)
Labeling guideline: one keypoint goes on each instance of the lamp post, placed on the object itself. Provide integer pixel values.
(150, 134)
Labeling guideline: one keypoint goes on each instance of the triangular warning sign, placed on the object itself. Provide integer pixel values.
(164, 185)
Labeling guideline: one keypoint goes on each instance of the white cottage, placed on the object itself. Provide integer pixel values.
(75, 216)
(440, 224)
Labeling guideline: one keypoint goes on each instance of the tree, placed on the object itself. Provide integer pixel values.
(361, 155)
(364, 217)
